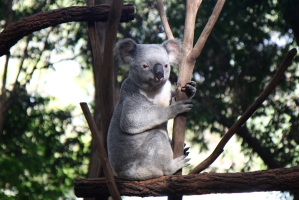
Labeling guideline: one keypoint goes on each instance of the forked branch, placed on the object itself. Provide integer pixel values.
(184, 76)
(188, 62)
(271, 86)
(207, 30)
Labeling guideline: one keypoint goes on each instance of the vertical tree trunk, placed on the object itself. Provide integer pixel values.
(104, 36)
(97, 46)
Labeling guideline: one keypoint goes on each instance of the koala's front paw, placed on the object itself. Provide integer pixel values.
(178, 107)
(190, 89)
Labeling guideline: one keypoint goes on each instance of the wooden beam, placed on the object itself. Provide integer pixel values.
(17, 30)
(196, 184)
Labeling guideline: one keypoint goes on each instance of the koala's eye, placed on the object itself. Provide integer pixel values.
(145, 66)
(166, 66)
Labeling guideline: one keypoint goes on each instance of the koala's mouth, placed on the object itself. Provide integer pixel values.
(159, 79)
(158, 82)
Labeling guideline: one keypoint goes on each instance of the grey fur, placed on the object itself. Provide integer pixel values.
(138, 142)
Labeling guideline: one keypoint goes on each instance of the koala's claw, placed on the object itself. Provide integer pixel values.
(190, 89)
(186, 151)
(192, 83)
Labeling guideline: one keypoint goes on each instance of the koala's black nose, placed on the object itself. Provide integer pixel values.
(158, 72)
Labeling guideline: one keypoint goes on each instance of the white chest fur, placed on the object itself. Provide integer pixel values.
(160, 97)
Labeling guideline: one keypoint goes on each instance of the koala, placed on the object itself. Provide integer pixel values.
(138, 144)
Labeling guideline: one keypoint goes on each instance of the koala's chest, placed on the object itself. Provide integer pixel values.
(161, 97)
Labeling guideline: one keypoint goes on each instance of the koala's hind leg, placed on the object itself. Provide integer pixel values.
(176, 164)
(140, 173)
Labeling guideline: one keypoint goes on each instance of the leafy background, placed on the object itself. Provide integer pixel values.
(45, 145)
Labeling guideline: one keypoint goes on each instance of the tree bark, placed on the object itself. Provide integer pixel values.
(97, 57)
(17, 30)
(103, 71)
(196, 184)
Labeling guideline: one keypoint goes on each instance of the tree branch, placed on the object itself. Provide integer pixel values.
(164, 20)
(102, 152)
(271, 86)
(244, 133)
(3, 94)
(17, 30)
(184, 76)
(196, 184)
(207, 30)
(24, 56)
(263, 152)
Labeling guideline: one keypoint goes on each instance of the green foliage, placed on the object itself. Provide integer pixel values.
(41, 151)
(237, 62)
(39, 160)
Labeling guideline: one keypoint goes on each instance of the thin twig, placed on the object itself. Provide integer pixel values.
(164, 20)
(24, 56)
(191, 11)
(3, 94)
(102, 152)
(271, 86)
(207, 30)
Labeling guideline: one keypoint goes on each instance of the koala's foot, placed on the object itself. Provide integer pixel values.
(177, 164)
(190, 89)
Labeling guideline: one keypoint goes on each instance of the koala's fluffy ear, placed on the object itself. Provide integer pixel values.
(125, 50)
(174, 49)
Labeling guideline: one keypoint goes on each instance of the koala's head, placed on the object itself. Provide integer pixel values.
(149, 63)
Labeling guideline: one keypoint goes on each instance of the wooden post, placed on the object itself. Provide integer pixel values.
(102, 152)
